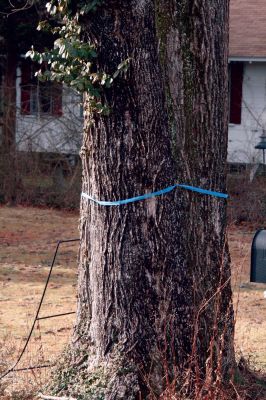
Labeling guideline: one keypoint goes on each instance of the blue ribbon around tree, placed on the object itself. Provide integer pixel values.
(154, 194)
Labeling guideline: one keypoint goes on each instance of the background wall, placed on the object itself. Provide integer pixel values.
(243, 138)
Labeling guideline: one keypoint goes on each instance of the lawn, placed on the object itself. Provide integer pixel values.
(28, 238)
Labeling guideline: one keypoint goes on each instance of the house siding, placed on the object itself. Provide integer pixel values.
(243, 137)
(47, 133)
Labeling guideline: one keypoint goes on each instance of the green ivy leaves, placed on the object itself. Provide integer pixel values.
(71, 60)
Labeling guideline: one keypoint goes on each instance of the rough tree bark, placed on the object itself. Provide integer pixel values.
(154, 295)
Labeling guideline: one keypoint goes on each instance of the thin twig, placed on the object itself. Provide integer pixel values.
(44, 397)
(236, 392)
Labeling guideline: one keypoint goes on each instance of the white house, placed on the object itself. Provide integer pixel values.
(49, 120)
(49, 116)
(247, 67)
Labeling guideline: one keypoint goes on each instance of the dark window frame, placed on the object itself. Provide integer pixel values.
(38, 98)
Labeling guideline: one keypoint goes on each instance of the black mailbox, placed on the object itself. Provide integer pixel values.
(258, 257)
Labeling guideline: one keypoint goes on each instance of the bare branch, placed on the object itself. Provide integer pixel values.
(28, 4)
(44, 397)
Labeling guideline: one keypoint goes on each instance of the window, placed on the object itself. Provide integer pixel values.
(39, 97)
(235, 92)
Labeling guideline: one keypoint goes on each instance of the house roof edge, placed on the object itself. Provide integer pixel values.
(249, 59)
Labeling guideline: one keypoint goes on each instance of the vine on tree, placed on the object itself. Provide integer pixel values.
(72, 61)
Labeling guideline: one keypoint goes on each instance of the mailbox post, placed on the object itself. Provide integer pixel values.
(258, 257)
(262, 145)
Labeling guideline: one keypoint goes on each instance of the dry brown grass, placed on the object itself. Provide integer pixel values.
(250, 304)
(27, 241)
(28, 238)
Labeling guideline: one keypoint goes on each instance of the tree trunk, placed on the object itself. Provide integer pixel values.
(154, 295)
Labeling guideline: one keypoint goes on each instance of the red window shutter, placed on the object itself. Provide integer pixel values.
(57, 99)
(25, 86)
(236, 88)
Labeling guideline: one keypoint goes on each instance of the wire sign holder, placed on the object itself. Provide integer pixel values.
(38, 318)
